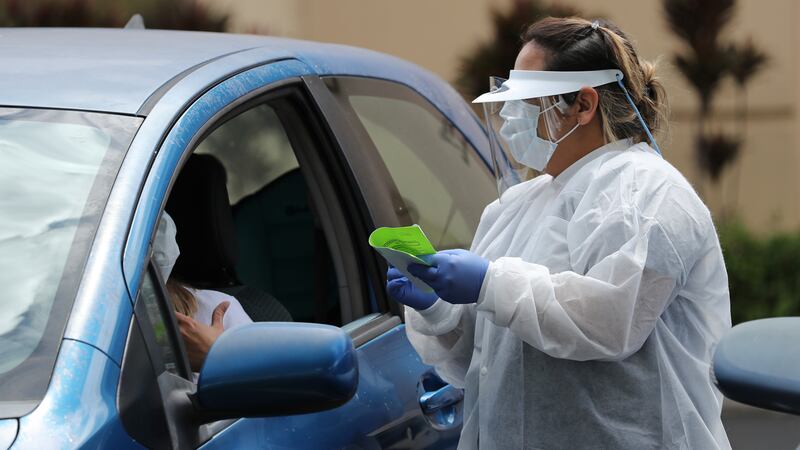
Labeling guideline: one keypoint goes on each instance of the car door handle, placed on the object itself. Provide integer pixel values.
(441, 398)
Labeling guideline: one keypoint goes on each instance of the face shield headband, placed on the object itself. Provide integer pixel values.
(522, 121)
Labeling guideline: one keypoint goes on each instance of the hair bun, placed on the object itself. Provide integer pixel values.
(649, 77)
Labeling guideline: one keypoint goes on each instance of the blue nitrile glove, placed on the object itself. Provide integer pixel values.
(403, 290)
(455, 275)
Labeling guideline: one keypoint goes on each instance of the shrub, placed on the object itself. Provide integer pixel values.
(763, 271)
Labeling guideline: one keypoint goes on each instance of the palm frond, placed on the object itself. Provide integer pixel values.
(747, 60)
(715, 152)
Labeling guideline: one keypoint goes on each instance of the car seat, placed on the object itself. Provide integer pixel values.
(283, 249)
(199, 206)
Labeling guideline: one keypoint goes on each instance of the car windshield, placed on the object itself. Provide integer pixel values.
(56, 169)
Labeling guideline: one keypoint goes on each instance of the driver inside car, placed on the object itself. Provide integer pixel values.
(202, 314)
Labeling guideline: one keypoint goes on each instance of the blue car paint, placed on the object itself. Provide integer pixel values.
(126, 67)
(377, 417)
(105, 70)
(80, 408)
(758, 363)
(246, 369)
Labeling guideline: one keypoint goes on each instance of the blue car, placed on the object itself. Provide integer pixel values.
(276, 158)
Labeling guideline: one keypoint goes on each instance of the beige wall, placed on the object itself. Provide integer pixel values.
(435, 33)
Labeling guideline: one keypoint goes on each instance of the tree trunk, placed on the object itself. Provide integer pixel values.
(741, 124)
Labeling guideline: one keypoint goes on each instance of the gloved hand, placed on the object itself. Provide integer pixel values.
(403, 290)
(455, 275)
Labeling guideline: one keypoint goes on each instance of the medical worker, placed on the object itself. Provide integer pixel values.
(586, 311)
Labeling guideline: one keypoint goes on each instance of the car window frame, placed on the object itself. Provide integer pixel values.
(170, 323)
(334, 185)
(184, 431)
(326, 162)
(299, 133)
(382, 202)
(385, 202)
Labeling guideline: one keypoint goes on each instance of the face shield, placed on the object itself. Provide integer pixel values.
(527, 116)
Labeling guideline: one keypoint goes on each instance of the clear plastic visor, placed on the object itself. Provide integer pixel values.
(514, 128)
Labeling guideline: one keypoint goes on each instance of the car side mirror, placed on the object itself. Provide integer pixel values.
(758, 363)
(276, 369)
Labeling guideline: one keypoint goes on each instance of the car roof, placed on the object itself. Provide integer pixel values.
(117, 70)
(125, 71)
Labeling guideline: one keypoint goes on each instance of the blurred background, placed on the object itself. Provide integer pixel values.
(730, 68)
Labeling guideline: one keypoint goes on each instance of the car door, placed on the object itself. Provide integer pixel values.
(414, 166)
(386, 412)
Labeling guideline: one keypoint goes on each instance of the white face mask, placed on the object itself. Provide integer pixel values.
(165, 247)
(520, 129)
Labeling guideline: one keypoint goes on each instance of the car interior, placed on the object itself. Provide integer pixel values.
(263, 245)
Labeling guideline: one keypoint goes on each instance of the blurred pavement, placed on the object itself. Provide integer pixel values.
(758, 429)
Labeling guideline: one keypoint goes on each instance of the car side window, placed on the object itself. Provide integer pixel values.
(444, 183)
(282, 249)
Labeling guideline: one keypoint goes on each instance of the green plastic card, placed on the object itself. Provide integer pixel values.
(402, 246)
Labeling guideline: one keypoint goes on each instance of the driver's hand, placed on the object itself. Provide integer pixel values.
(199, 337)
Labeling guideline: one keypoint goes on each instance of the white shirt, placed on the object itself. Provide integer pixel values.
(595, 325)
(208, 300)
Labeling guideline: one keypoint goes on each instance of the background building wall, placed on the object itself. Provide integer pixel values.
(437, 33)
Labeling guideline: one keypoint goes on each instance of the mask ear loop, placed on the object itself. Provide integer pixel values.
(639, 115)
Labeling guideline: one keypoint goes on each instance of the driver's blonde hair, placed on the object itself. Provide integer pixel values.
(183, 301)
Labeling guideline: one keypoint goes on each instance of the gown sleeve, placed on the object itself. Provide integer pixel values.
(632, 267)
(444, 334)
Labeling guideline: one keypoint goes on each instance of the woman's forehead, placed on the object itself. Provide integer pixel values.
(531, 57)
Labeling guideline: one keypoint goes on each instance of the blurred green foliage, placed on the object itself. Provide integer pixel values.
(763, 271)
(157, 14)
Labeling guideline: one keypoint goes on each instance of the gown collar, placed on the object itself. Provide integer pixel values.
(569, 172)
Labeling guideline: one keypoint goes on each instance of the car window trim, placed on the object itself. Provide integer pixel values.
(386, 204)
(171, 324)
(201, 133)
(328, 198)
(257, 97)
(373, 325)
(382, 202)
(353, 303)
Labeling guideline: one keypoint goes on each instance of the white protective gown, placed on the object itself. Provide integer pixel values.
(596, 321)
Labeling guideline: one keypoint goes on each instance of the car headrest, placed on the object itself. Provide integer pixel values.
(206, 236)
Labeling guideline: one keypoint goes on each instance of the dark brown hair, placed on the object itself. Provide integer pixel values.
(573, 44)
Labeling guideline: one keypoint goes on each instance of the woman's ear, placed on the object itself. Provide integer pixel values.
(586, 105)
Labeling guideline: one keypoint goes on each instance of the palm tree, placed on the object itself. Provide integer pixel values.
(704, 62)
(746, 61)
